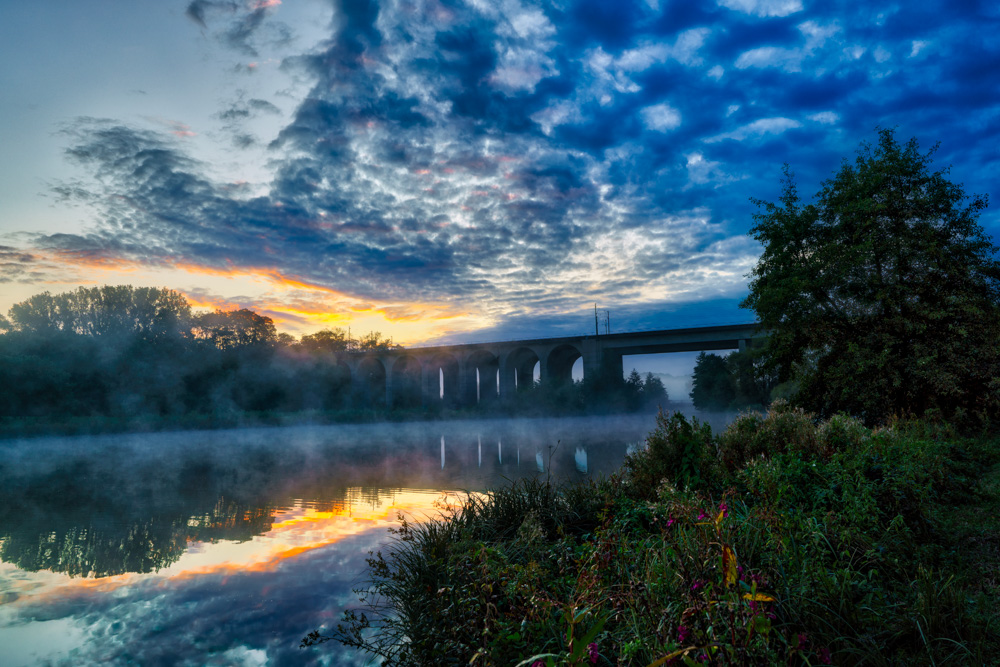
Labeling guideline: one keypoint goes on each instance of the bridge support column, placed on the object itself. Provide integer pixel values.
(611, 365)
(466, 383)
(430, 385)
(592, 352)
(508, 383)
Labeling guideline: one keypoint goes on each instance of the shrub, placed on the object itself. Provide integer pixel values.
(739, 442)
(678, 450)
(841, 433)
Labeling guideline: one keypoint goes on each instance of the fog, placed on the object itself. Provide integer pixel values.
(226, 547)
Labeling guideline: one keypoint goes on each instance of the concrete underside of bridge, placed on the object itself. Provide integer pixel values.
(473, 373)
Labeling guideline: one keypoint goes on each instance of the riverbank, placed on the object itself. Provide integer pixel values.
(778, 541)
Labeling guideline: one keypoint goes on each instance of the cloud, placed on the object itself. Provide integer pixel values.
(661, 117)
(758, 129)
(527, 157)
(764, 8)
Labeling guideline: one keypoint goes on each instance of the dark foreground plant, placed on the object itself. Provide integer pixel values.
(824, 543)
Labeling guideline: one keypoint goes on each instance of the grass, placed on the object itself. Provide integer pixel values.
(781, 541)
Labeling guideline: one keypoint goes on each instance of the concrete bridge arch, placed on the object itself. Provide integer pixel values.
(468, 374)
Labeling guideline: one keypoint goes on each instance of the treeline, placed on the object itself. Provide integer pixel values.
(738, 381)
(126, 357)
(123, 357)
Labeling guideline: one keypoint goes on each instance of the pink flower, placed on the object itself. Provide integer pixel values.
(701, 516)
(683, 634)
(671, 521)
(724, 509)
(696, 585)
(592, 651)
(824, 656)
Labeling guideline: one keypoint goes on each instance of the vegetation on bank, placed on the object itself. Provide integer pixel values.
(781, 540)
(122, 358)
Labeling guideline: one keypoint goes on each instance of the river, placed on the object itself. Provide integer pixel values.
(227, 547)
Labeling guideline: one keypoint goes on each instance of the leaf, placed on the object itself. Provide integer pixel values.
(589, 637)
(729, 564)
(758, 597)
(530, 661)
(670, 656)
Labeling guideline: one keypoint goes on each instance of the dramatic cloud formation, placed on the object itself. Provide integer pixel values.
(520, 160)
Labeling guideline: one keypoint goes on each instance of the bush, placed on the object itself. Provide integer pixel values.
(680, 451)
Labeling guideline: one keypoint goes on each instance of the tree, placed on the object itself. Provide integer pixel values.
(633, 390)
(752, 381)
(883, 297)
(654, 394)
(232, 329)
(373, 341)
(712, 386)
(149, 313)
(327, 340)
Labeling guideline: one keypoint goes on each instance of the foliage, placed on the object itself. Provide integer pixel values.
(119, 310)
(327, 340)
(645, 393)
(231, 329)
(826, 548)
(734, 382)
(882, 297)
(678, 450)
(373, 341)
(712, 385)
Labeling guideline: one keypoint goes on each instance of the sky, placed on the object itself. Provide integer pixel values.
(455, 171)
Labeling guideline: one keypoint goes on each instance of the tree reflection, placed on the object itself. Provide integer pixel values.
(134, 504)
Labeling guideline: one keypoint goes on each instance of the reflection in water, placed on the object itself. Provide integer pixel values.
(227, 547)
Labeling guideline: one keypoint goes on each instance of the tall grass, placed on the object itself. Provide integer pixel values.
(782, 541)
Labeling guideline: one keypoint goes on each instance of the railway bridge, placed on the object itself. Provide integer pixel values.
(470, 373)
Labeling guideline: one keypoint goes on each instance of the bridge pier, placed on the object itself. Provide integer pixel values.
(414, 375)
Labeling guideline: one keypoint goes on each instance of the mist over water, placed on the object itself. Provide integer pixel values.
(226, 547)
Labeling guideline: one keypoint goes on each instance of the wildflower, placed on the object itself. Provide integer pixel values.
(803, 640)
(702, 516)
(824, 656)
(592, 651)
(724, 509)
(696, 584)
(671, 521)
(683, 634)
(537, 663)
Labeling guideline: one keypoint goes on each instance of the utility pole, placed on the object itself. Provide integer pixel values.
(607, 322)
(597, 329)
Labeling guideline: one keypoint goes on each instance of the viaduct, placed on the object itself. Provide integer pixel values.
(471, 373)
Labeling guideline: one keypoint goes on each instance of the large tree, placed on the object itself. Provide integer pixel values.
(109, 310)
(712, 386)
(234, 329)
(883, 296)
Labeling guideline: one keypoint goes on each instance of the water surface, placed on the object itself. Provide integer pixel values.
(227, 547)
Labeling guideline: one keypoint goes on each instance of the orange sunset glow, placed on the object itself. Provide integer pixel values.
(296, 530)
